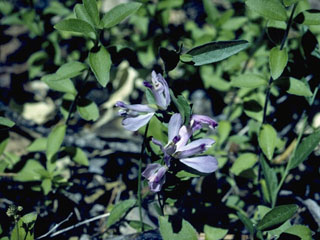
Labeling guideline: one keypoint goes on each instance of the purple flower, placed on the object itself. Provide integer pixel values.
(135, 115)
(199, 121)
(179, 148)
(138, 115)
(160, 90)
(155, 173)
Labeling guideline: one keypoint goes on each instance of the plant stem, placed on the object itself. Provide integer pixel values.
(74, 102)
(139, 176)
(283, 42)
(160, 204)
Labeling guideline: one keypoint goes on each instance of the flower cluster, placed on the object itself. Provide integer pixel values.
(138, 115)
(179, 146)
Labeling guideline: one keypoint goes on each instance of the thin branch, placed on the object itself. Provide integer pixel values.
(73, 226)
(55, 227)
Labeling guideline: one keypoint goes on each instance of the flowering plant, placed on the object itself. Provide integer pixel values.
(180, 145)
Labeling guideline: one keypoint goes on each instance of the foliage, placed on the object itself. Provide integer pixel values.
(251, 65)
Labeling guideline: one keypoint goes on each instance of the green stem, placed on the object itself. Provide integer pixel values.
(74, 102)
(283, 42)
(139, 176)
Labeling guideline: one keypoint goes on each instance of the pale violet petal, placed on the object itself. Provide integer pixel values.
(150, 170)
(174, 126)
(204, 164)
(134, 123)
(185, 134)
(202, 119)
(166, 91)
(207, 142)
(135, 107)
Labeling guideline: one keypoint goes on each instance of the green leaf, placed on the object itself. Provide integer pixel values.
(185, 58)
(65, 85)
(305, 148)
(30, 172)
(243, 162)
(119, 210)
(216, 51)
(55, 140)
(249, 80)
(77, 155)
(6, 122)
(185, 232)
(224, 130)
(277, 216)
(3, 143)
(287, 3)
(301, 231)
(92, 10)
(167, 4)
(119, 13)
(308, 17)
(267, 140)
(184, 109)
(70, 70)
(271, 9)
(213, 233)
(271, 180)
(24, 227)
(82, 14)
(299, 88)
(246, 222)
(38, 145)
(46, 186)
(100, 63)
(137, 225)
(278, 61)
(74, 25)
(88, 109)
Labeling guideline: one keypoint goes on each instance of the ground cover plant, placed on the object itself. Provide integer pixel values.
(159, 119)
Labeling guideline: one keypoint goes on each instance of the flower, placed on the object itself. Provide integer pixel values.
(199, 121)
(160, 90)
(179, 148)
(155, 173)
(138, 115)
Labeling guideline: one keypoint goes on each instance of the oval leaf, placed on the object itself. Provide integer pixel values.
(246, 222)
(88, 110)
(278, 61)
(6, 122)
(305, 148)
(185, 232)
(309, 17)
(74, 25)
(82, 14)
(277, 216)
(243, 162)
(213, 233)
(271, 180)
(299, 88)
(267, 140)
(119, 13)
(64, 85)
(216, 51)
(92, 10)
(70, 70)
(249, 80)
(55, 140)
(301, 231)
(100, 63)
(271, 9)
(119, 210)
